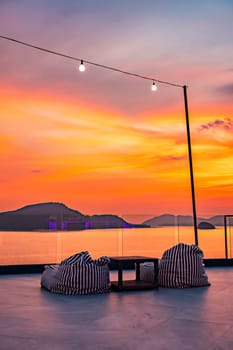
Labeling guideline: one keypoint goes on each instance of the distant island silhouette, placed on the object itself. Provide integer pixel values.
(203, 225)
(183, 220)
(57, 216)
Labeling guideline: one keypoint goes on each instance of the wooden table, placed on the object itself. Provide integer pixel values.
(136, 284)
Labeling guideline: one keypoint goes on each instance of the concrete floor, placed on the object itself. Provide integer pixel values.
(199, 318)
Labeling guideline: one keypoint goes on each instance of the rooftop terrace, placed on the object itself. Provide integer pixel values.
(195, 318)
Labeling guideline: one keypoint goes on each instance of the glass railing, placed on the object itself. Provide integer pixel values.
(44, 247)
(228, 226)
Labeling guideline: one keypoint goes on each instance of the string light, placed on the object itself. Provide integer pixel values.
(153, 87)
(82, 67)
(89, 62)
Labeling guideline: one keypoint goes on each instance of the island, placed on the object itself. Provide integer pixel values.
(204, 225)
(57, 216)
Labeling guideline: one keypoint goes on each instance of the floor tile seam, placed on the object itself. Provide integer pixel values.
(230, 327)
(78, 332)
(219, 339)
(201, 321)
(12, 336)
(203, 309)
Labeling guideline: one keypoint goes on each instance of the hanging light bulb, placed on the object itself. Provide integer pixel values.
(153, 87)
(82, 67)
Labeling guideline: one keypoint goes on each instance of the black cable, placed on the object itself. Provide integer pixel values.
(89, 62)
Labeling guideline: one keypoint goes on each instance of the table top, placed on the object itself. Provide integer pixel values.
(132, 258)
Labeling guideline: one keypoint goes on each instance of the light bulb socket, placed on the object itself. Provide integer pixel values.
(153, 87)
(82, 67)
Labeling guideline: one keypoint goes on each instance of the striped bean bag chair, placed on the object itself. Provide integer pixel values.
(180, 267)
(77, 275)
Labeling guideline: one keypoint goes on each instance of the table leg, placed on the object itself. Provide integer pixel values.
(137, 271)
(120, 281)
(156, 272)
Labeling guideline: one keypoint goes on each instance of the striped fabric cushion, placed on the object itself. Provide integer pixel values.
(78, 275)
(147, 272)
(180, 267)
(82, 279)
(79, 258)
(49, 276)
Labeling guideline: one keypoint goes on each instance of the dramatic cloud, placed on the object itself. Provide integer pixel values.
(103, 140)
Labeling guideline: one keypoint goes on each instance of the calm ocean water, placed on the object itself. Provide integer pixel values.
(51, 247)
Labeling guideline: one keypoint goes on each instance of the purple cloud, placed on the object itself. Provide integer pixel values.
(36, 171)
(226, 124)
(226, 89)
(173, 158)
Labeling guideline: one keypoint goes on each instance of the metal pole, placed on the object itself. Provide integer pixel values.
(225, 235)
(190, 164)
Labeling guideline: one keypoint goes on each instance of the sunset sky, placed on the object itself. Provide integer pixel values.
(101, 141)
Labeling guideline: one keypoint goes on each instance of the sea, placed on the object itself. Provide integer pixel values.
(49, 247)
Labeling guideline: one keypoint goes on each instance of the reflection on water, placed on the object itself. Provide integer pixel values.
(52, 247)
